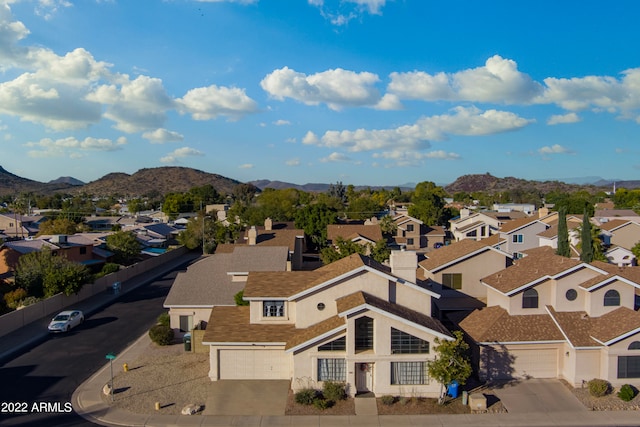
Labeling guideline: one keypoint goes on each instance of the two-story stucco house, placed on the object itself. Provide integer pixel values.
(362, 234)
(353, 320)
(623, 233)
(480, 225)
(553, 317)
(413, 234)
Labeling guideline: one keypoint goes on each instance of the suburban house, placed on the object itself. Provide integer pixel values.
(359, 233)
(278, 234)
(606, 215)
(353, 320)
(553, 317)
(522, 234)
(619, 232)
(620, 256)
(14, 225)
(480, 225)
(414, 235)
(215, 279)
(11, 251)
(549, 237)
(456, 271)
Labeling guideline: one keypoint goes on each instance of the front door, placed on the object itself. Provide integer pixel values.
(364, 377)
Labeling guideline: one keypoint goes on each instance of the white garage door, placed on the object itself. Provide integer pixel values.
(254, 365)
(541, 363)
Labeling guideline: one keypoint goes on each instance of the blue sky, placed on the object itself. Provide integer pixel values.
(367, 92)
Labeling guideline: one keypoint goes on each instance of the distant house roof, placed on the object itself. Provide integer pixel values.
(455, 252)
(372, 232)
(161, 229)
(281, 234)
(616, 223)
(518, 224)
(28, 246)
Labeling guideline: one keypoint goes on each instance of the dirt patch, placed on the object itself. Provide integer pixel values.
(425, 406)
(341, 407)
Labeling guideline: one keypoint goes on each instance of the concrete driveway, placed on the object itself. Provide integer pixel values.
(247, 397)
(537, 395)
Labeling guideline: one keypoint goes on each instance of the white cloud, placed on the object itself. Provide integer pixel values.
(563, 118)
(293, 162)
(180, 153)
(48, 8)
(282, 122)
(335, 157)
(246, 166)
(161, 135)
(554, 149)
(389, 102)
(337, 88)
(207, 103)
(463, 121)
(498, 81)
(72, 147)
(344, 11)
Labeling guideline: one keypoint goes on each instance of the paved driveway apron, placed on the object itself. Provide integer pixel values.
(247, 397)
(538, 395)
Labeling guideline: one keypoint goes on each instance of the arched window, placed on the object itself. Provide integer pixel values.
(611, 298)
(634, 345)
(530, 298)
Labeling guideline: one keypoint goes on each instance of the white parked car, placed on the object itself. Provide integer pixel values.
(66, 320)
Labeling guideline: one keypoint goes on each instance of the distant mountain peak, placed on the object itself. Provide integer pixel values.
(67, 180)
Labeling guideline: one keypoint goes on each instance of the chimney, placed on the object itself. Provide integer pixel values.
(464, 212)
(404, 264)
(253, 235)
(542, 212)
(268, 224)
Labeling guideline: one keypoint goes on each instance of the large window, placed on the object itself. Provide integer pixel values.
(273, 309)
(364, 333)
(409, 373)
(611, 298)
(628, 366)
(339, 344)
(530, 298)
(452, 280)
(409, 227)
(332, 370)
(403, 343)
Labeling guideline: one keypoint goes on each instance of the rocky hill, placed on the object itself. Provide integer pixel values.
(14, 184)
(162, 180)
(492, 184)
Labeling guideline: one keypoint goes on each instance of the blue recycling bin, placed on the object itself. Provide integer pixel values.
(452, 389)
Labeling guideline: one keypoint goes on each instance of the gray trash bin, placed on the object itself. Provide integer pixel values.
(187, 342)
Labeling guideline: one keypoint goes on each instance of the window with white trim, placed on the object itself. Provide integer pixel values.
(332, 370)
(273, 308)
(409, 373)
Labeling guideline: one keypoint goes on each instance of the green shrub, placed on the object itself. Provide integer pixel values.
(322, 404)
(108, 268)
(13, 298)
(627, 392)
(388, 400)
(164, 319)
(335, 391)
(404, 400)
(161, 334)
(306, 396)
(238, 299)
(599, 387)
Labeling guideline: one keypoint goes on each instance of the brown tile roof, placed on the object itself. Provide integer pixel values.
(539, 263)
(359, 298)
(610, 225)
(351, 231)
(505, 216)
(494, 324)
(470, 226)
(452, 252)
(435, 230)
(275, 237)
(493, 240)
(286, 284)
(615, 324)
(231, 324)
(576, 325)
(629, 273)
(517, 223)
(303, 335)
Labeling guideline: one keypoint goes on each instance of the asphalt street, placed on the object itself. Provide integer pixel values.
(37, 385)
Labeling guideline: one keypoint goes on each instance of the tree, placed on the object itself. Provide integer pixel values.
(388, 226)
(57, 226)
(563, 234)
(44, 274)
(586, 242)
(125, 245)
(428, 204)
(451, 362)
(341, 248)
(192, 236)
(380, 251)
(636, 250)
(313, 219)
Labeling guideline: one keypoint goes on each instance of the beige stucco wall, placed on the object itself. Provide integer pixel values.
(610, 361)
(626, 236)
(594, 304)
(581, 365)
(473, 269)
(530, 237)
(571, 281)
(545, 293)
(199, 314)
(306, 360)
(256, 311)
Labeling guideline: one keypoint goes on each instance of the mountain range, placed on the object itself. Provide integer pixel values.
(163, 180)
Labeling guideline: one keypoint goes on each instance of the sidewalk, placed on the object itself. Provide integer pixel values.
(36, 332)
